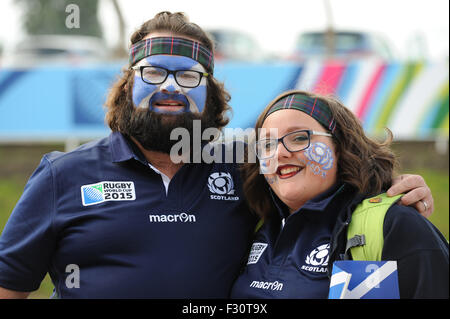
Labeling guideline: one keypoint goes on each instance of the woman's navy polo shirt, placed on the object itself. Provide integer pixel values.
(290, 253)
(291, 261)
(102, 211)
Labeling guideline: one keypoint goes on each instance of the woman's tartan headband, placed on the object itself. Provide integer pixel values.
(312, 106)
(172, 46)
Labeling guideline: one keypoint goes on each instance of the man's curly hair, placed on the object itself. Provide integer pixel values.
(119, 103)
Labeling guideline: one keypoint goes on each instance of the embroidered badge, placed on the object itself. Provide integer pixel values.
(107, 191)
(256, 252)
(221, 186)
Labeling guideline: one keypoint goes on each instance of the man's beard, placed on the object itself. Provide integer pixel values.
(152, 130)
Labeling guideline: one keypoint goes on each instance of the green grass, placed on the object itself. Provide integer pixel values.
(11, 189)
(438, 181)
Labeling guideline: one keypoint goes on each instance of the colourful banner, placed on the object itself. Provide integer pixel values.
(412, 98)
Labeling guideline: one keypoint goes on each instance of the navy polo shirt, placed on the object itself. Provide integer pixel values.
(291, 261)
(289, 256)
(99, 220)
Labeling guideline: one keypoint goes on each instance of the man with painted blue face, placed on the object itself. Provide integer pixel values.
(117, 218)
(169, 89)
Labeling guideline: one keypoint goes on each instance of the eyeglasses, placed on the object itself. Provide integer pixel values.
(293, 142)
(157, 75)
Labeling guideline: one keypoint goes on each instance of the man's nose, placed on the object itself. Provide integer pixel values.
(170, 85)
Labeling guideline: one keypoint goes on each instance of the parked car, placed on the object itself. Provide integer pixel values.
(235, 45)
(54, 49)
(344, 44)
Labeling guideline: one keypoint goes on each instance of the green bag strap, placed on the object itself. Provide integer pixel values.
(258, 225)
(365, 233)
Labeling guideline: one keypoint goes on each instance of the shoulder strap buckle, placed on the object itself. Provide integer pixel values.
(355, 241)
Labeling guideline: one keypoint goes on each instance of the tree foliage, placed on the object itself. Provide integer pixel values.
(49, 17)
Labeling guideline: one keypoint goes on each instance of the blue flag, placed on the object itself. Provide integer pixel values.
(353, 279)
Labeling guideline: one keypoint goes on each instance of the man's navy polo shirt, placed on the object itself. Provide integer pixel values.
(102, 214)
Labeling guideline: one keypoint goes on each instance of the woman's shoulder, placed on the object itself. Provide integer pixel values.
(405, 227)
(398, 212)
(401, 216)
(420, 250)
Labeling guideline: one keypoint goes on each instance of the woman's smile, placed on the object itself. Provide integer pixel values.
(288, 171)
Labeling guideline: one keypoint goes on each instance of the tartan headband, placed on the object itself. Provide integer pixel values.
(173, 46)
(311, 106)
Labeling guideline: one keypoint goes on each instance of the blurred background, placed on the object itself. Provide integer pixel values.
(387, 60)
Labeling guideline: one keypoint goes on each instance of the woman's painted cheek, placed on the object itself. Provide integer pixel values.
(271, 179)
(142, 92)
(320, 158)
(268, 166)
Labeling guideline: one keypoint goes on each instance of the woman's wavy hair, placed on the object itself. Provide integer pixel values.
(364, 163)
(119, 103)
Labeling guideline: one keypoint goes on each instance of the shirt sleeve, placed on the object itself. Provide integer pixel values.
(27, 241)
(421, 252)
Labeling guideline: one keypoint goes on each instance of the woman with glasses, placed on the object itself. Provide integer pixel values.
(315, 165)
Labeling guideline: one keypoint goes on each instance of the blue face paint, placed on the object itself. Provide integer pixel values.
(142, 91)
(144, 94)
(322, 155)
(271, 180)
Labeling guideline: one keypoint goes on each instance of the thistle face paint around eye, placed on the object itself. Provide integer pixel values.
(169, 97)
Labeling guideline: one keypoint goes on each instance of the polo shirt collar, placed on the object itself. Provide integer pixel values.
(321, 201)
(318, 203)
(123, 149)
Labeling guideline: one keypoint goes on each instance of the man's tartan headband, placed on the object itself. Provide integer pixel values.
(311, 106)
(172, 46)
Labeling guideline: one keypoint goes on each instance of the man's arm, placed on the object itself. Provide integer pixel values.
(417, 193)
(11, 294)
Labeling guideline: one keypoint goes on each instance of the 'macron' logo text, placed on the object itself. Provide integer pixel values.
(172, 218)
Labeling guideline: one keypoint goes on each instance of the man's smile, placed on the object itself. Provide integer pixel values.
(167, 103)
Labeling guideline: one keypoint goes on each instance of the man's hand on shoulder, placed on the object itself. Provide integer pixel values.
(417, 193)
